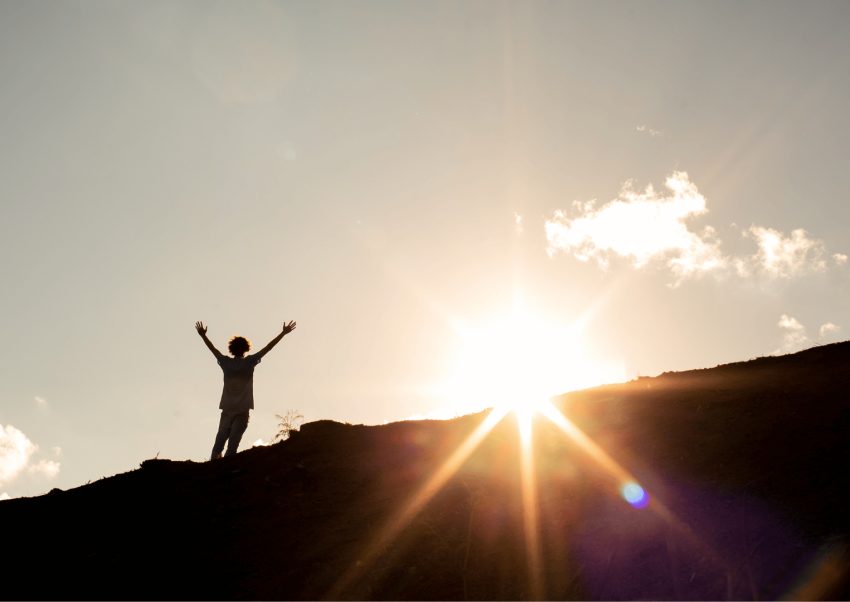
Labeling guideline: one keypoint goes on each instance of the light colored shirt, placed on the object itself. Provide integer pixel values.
(238, 392)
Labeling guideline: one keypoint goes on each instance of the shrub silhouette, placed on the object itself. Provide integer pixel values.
(290, 421)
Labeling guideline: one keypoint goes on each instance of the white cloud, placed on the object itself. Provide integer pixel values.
(518, 219)
(258, 443)
(642, 227)
(49, 468)
(840, 259)
(4, 496)
(795, 334)
(781, 257)
(828, 328)
(650, 228)
(15, 452)
(41, 401)
(56, 450)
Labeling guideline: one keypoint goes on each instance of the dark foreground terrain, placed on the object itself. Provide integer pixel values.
(749, 459)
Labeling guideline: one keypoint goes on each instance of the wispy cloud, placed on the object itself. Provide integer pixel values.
(828, 329)
(781, 257)
(41, 401)
(15, 452)
(518, 219)
(56, 450)
(651, 227)
(794, 336)
(650, 131)
(49, 468)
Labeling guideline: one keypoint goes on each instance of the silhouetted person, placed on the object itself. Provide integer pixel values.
(237, 397)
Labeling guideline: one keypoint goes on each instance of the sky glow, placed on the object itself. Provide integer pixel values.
(400, 178)
(519, 361)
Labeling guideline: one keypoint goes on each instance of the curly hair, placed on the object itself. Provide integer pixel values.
(238, 346)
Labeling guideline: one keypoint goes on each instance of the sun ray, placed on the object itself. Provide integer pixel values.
(530, 508)
(402, 518)
(402, 276)
(627, 485)
(590, 312)
(586, 444)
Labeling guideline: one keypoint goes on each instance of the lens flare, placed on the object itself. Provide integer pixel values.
(635, 495)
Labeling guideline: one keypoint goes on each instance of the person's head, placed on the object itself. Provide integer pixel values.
(238, 346)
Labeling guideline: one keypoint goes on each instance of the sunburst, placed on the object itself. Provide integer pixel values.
(514, 366)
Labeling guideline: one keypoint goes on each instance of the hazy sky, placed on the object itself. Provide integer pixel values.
(400, 178)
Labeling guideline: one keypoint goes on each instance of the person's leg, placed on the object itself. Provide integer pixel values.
(224, 428)
(237, 429)
(220, 439)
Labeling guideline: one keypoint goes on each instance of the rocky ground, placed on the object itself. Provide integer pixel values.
(746, 466)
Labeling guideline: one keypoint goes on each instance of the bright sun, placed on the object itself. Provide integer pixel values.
(519, 364)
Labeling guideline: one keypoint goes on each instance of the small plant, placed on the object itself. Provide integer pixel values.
(290, 421)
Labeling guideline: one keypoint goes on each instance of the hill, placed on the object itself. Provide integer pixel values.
(747, 460)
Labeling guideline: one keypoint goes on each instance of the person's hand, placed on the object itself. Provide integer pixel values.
(202, 330)
(287, 328)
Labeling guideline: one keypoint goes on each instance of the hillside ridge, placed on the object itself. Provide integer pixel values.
(749, 456)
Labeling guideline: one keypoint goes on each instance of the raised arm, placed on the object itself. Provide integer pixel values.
(202, 330)
(287, 328)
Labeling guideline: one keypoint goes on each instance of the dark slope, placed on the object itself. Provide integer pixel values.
(751, 457)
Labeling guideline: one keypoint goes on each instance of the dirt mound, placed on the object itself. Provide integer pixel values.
(748, 460)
